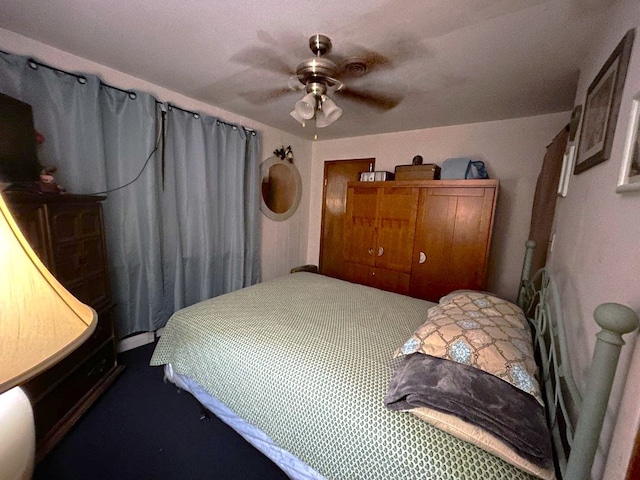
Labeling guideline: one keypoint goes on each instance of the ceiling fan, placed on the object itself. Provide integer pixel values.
(323, 75)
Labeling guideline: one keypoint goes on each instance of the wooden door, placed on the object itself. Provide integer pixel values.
(452, 241)
(544, 200)
(337, 173)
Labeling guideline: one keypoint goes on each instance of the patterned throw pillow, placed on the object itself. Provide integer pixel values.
(483, 331)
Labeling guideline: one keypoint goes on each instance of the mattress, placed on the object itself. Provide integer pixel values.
(290, 464)
(307, 360)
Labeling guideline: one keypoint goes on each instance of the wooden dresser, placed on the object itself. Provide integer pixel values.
(419, 238)
(66, 231)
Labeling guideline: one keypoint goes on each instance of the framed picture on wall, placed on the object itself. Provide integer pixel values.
(601, 107)
(629, 179)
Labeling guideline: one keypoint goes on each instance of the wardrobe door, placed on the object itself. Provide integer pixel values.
(453, 234)
(360, 225)
(396, 217)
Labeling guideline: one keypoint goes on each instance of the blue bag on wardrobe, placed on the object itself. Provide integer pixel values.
(462, 168)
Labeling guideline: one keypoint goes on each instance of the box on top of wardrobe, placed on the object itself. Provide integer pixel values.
(428, 171)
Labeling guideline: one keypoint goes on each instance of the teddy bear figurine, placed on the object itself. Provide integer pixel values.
(47, 183)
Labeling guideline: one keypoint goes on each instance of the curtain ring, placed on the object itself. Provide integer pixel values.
(82, 80)
(234, 127)
(196, 115)
(133, 95)
(33, 64)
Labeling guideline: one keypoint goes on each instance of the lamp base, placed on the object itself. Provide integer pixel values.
(18, 439)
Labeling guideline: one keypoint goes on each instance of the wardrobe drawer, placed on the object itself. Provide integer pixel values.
(60, 400)
(390, 280)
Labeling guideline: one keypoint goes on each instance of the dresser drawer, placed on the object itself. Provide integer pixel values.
(50, 378)
(93, 291)
(79, 259)
(56, 403)
(33, 225)
(70, 222)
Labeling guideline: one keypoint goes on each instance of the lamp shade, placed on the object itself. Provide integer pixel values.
(306, 107)
(40, 321)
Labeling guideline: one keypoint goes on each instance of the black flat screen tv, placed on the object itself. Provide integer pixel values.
(18, 159)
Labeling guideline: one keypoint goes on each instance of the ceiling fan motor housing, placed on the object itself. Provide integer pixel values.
(316, 67)
(320, 44)
(317, 88)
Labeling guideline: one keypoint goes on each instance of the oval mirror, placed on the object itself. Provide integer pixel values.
(281, 188)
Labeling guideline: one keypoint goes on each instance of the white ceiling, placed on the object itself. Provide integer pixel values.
(452, 61)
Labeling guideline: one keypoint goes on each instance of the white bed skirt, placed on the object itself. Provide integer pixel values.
(295, 468)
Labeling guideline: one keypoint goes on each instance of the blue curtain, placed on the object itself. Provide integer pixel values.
(210, 207)
(187, 228)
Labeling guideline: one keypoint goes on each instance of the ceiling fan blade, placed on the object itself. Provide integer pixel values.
(263, 58)
(407, 47)
(381, 101)
(265, 96)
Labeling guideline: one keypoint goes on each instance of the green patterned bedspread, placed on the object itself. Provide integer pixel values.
(307, 359)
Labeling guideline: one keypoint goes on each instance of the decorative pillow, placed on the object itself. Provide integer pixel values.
(483, 331)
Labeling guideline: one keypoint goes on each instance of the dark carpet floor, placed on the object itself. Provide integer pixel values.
(144, 428)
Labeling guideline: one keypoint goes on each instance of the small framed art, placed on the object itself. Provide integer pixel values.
(629, 179)
(601, 107)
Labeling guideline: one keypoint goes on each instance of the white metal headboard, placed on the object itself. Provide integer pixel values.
(575, 442)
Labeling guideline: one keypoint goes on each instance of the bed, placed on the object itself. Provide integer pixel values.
(303, 368)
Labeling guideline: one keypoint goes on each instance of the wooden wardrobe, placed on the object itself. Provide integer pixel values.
(419, 238)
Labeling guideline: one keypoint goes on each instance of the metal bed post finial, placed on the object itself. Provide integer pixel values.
(615, 320)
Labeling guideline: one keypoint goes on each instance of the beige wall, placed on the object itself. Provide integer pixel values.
(596, 254)
(512, 151)
(284, 244)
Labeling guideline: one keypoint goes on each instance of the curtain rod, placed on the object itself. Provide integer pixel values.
(197, 115)
(132, 94)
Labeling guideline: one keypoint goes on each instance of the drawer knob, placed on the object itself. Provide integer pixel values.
(423, 257)
(380, 251)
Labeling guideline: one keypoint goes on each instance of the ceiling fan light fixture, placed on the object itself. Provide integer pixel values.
(295, 115)
(306, 107)
(330, 110)
(321, 120)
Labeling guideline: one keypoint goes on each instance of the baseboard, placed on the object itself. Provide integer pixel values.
(136, 341)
